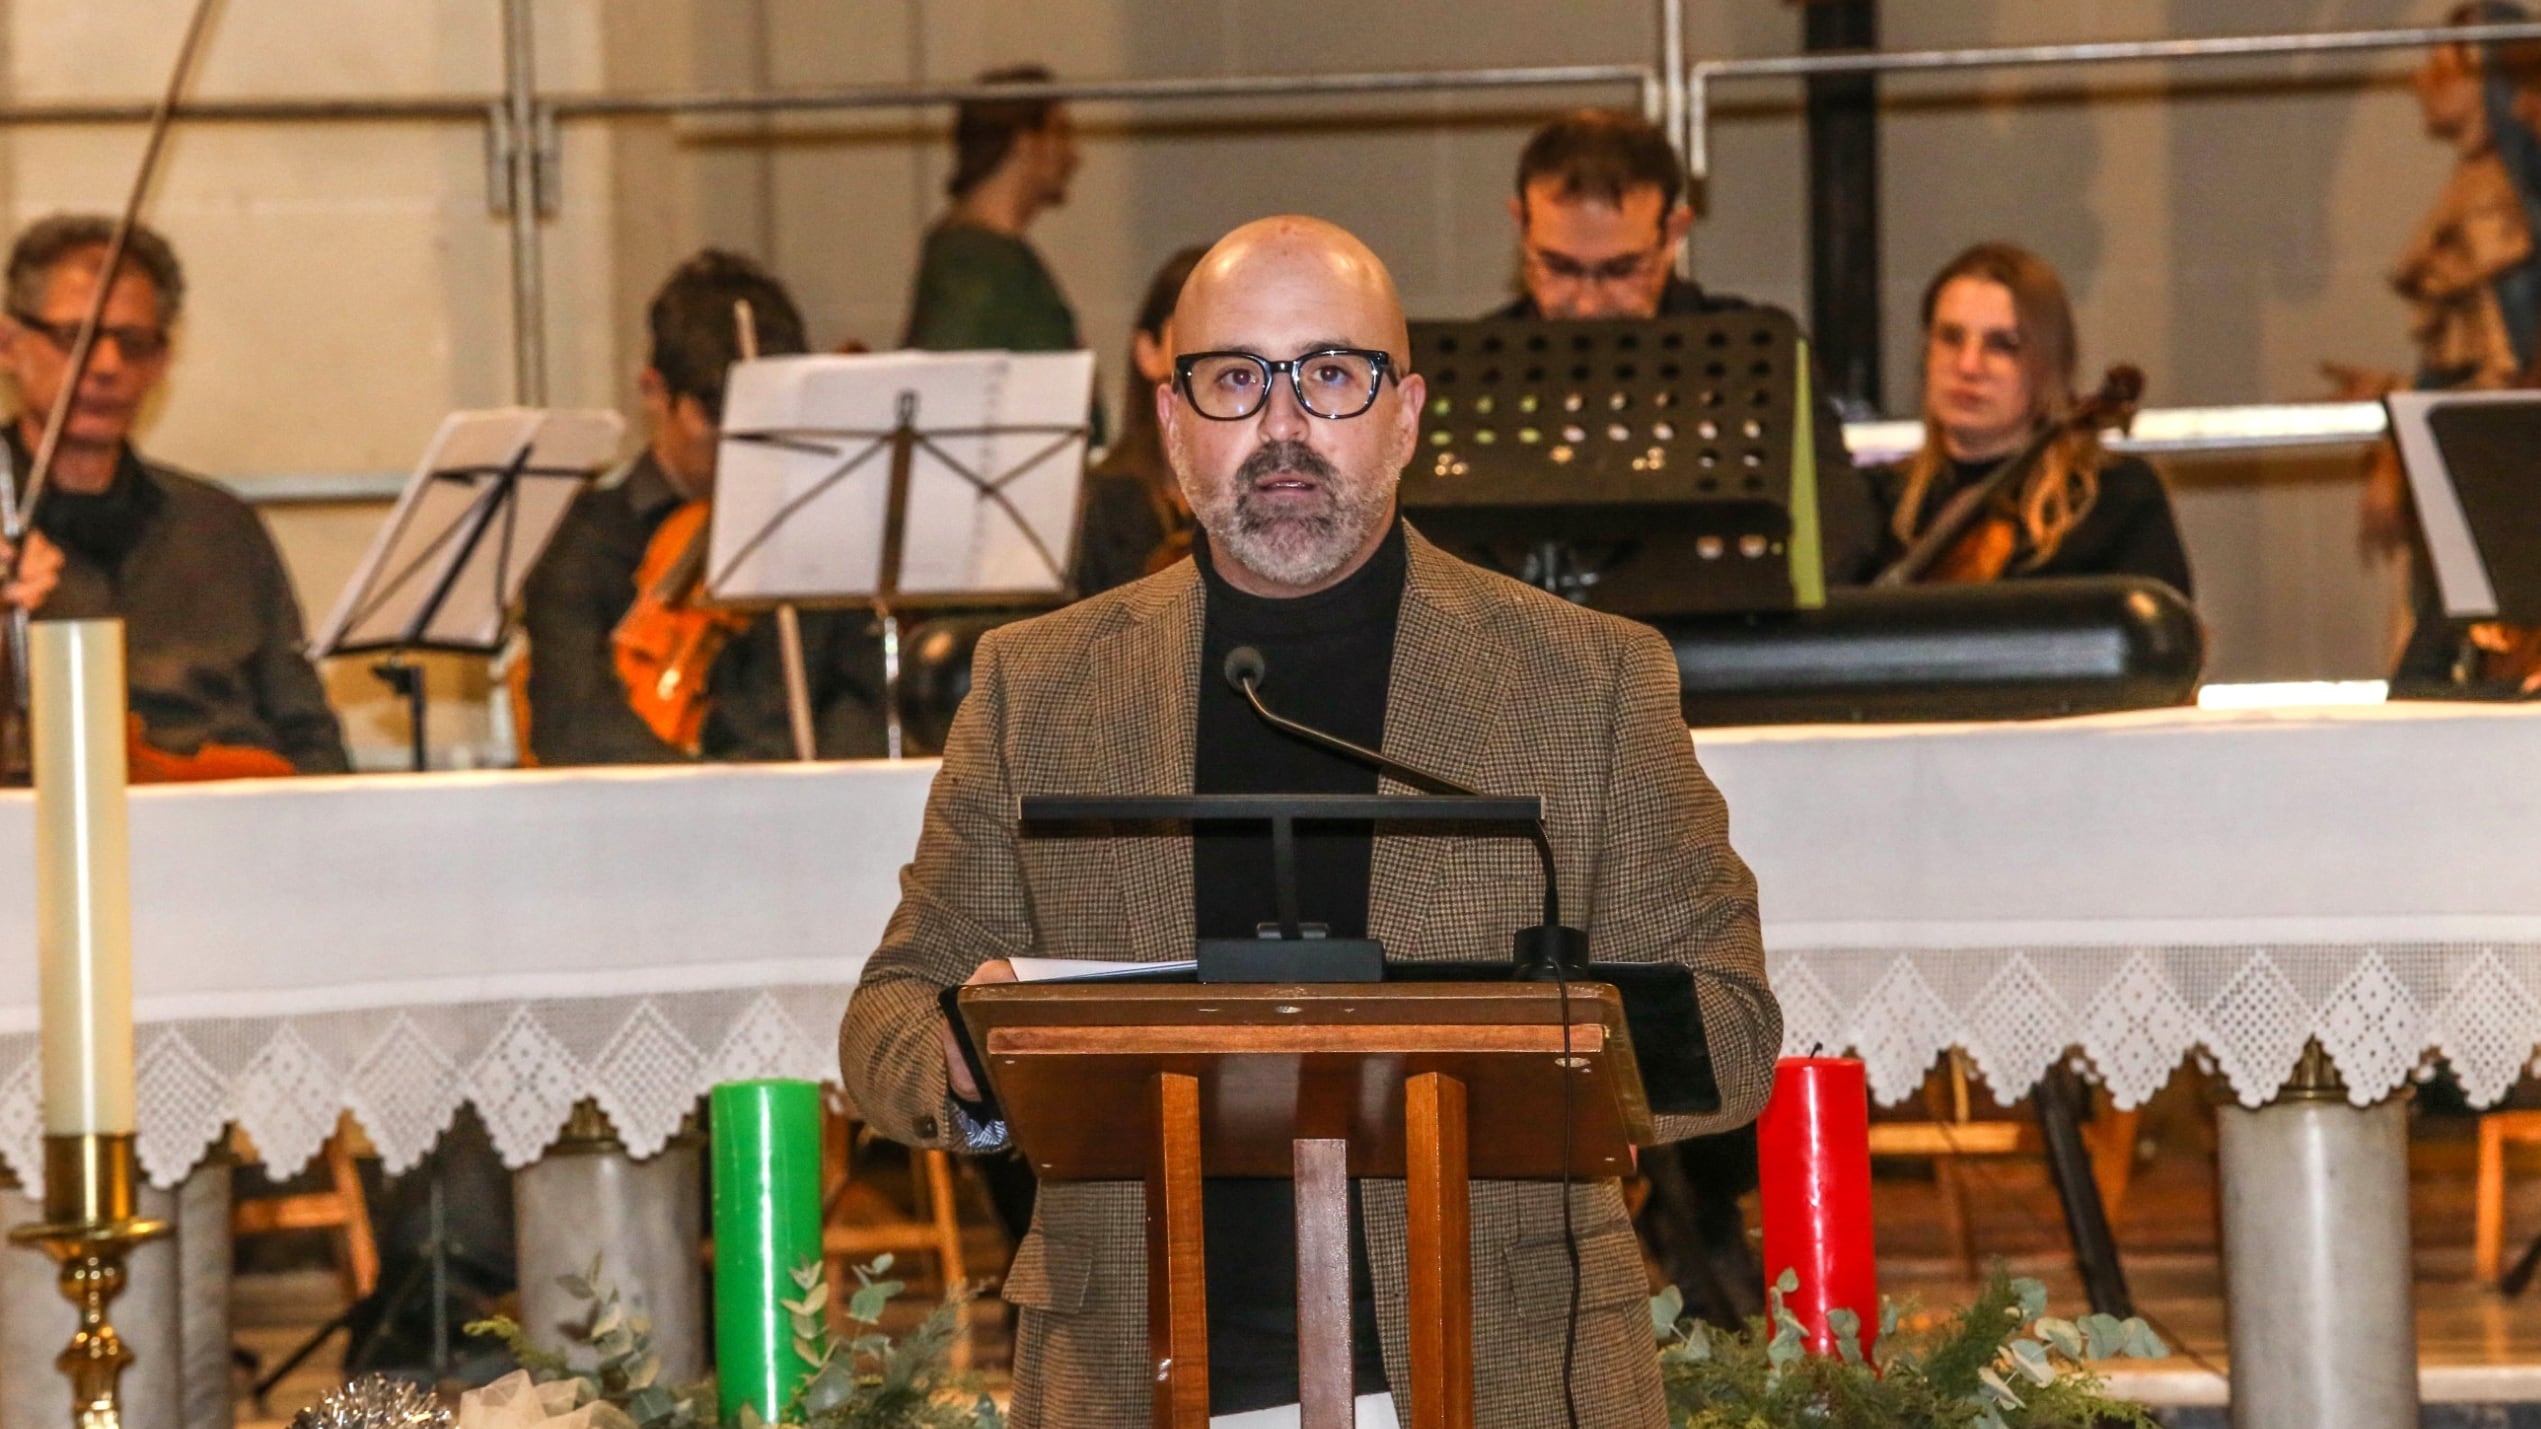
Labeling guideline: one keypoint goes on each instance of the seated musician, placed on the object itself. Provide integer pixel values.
(1134, 520)
(580, 596)
(1289, 421)
(213, 643)
(1998, 373)
(1601, 213)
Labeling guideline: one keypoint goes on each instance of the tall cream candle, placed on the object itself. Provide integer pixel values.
(83, 903)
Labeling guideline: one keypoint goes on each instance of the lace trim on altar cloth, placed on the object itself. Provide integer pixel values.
(403, 1073)
(2133, 1014)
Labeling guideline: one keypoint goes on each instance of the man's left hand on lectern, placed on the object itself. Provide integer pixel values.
(956, 1068)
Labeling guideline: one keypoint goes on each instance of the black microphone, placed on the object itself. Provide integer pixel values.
(1548, 951)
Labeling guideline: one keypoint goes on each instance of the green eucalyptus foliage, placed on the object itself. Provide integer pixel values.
(865, 1381)
(2000, 1363)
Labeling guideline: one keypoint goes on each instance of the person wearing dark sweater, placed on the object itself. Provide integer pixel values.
(1600, 214)
(1292, 414)
(1998, 371)
(585, 584)
(1133, 512)
(214, 649)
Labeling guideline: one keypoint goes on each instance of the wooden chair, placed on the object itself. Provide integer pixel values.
(858, 1222)
(1954, 1132)
(342, 1208)
(2488, 1230)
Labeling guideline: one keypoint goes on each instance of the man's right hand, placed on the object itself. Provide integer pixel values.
(956, 1067)
(37, 574)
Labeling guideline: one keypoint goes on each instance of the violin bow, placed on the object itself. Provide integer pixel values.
(21, 510)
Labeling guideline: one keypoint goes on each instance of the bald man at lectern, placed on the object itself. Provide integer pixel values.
(1289, 416)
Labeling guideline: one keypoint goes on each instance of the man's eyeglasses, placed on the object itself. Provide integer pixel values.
(1628, 268)
(137, 344)
(1335, 383)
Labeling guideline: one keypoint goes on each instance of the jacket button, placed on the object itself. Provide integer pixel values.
(926, 1128)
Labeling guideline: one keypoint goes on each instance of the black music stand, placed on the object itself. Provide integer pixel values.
(894, 480)
(445, 571)
(1651, 467)
(2469, 459)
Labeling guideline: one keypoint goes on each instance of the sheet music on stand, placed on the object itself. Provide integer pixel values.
(447, 567)
(2473, 470)
(897, 479)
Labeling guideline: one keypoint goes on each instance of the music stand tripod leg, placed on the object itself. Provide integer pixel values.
(798, 682)
(1438, 1246)
(1177, 1284)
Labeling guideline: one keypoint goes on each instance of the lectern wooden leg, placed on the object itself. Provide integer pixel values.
(1324, 1379)
(1177, 1285)
(1439, 1250)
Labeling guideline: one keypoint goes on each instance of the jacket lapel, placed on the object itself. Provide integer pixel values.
(1443, 704)
(1147, 676)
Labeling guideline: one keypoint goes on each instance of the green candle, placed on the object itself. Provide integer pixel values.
(767, 1186)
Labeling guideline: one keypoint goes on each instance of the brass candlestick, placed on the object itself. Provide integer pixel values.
(88, 1229)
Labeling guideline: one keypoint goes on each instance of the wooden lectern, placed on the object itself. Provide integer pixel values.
(1320, 1082)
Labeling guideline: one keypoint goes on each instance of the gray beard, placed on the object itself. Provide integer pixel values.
(1294, 548)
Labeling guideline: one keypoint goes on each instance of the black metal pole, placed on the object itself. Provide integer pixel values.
(2059, 1098)
(1843, 112)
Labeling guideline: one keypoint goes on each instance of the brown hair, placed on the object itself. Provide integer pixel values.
(1141, 444)
(985, 130)
(1601, 155)
(50, 241)
(2060, 490)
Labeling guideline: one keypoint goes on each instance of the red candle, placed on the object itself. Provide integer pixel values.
(1813, 1151)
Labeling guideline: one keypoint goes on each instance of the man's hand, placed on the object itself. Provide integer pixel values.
(957, 1070)
(37, 574)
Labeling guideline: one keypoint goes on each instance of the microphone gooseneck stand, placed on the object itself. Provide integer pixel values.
(1549, 950)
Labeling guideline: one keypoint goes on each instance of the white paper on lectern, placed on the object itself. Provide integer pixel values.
(2461, 574)
(379, 606)
(957, 541)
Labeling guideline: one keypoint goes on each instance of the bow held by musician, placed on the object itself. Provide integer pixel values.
(212, 628)
(627, 662)
(1999, 357)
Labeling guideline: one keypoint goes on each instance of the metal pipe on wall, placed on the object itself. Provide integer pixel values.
(1703, 73)
(521, 125)
(1293, 86)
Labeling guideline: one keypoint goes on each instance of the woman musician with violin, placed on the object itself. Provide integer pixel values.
(2012, 480)
(1134, 521)
(626, 665)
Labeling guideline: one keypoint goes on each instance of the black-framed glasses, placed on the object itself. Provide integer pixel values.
(137, 344)
(1334, 383)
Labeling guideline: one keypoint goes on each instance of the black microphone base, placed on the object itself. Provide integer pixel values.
(1286, 960)
(1540, 950)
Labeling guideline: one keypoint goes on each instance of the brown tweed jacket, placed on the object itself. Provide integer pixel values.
(1504, 688)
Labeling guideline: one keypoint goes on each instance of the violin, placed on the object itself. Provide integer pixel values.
(146, 763)
(1978, 533)
(668, 641)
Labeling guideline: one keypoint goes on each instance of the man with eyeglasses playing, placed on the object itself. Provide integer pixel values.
(213, 643)
(1288, 420)
(1601, 213)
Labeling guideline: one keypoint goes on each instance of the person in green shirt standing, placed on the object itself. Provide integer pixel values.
(980, 283)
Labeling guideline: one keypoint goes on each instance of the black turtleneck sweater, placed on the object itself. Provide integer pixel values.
(1328, 658)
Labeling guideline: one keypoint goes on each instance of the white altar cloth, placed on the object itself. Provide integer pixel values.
(2137, 886)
